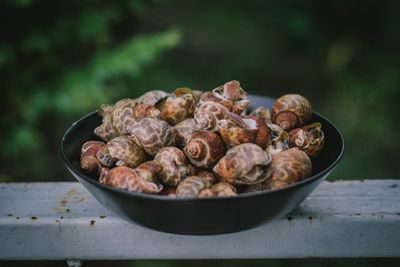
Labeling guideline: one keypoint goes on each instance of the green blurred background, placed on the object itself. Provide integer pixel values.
(62, 59)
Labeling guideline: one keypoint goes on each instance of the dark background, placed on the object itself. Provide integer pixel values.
(62, 59)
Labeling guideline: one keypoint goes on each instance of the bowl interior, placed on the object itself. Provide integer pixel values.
(82, 131)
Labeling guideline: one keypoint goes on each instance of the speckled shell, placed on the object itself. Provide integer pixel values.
(174, 165)
(89, 162)
(232, 96)
(204, 149)
(288, 167)
(192, 185)
(123, 114)
(244, 164)
(131, 179)
(152, 134)
(310, 139)
(183, 130)
(121, 151)
(207, 115)
(262, 113)
(218, 190)
(152, 97)
(291, 111)
(145, 111)
(279, 139)
(178, 107)
(106, 130)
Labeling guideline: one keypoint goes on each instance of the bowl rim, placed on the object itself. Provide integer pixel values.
(167, 198)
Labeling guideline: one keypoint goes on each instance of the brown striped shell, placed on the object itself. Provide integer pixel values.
(232, 96)
(310, 139)
(121, 151)
(141, 179)
(291, 111)
(204, 149)
(288, 167)
(207, 114)
(279, 139)
(220, 189)
(183, 130)
(174, 165)
(152, 97)
(192, 185)
(178, 107)
(237, 130)
(106, 130)
(152, 134)
(89, 162)
(244, 164)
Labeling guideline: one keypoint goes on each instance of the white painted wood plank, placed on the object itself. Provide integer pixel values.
(62, 221)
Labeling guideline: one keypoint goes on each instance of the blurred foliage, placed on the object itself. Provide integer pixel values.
(62, 59)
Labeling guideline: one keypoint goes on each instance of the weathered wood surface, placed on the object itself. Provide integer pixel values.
(63, 221)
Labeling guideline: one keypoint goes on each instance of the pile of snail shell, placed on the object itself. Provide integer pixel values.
(193, 144)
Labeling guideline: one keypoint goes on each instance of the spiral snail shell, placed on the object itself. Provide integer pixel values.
(207, 114)
(174, 165)
(89, 162)
(152, 134)
(152, 97)
(121, 151)
(192, 185)
(310, 139)
(177, 107)
(291, 111)
(183, 130)
(244, 164)
(204, 149)
(288, 167)
(141, 179)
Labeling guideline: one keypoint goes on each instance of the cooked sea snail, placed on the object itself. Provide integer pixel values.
(291, 111)
(178, 107)
(174, 165)
(89, 162)
(207, 114)
(204, 149)
(121, 151)
(244, 164)
(203, 144)
(183, 130)
(288, 167)
(152, 97)
(152, 134)
(237, 130)
(141, 179)
(310, 139)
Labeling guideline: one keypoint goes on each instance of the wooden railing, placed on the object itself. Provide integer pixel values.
(62, 221)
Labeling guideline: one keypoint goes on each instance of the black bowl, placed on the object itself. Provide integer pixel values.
(201, 216)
